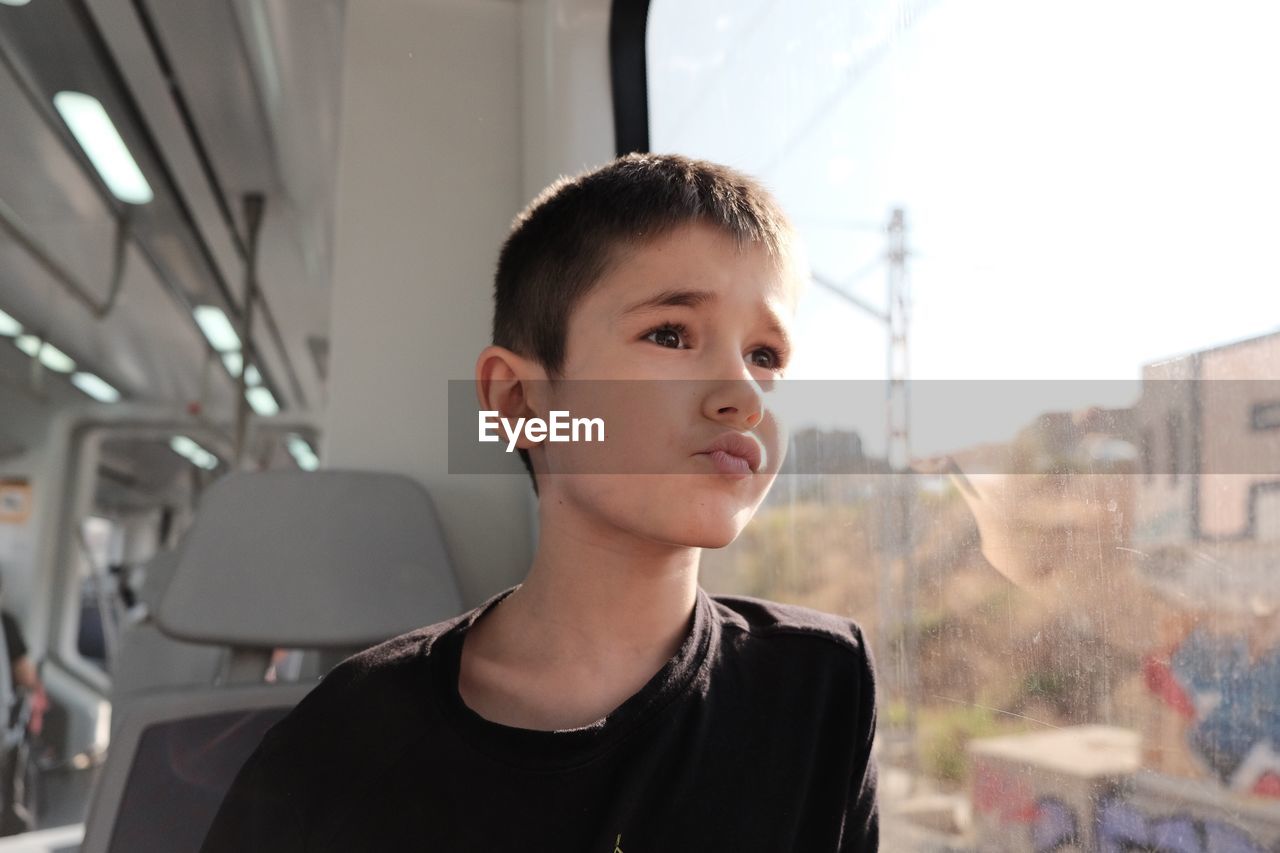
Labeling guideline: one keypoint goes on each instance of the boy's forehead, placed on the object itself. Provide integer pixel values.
(695, 265)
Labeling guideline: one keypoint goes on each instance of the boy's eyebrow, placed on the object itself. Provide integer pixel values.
(671, 298)
(693, 299)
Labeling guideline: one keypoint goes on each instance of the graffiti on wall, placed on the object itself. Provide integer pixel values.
(1117, 819)
(1007, 799)
(1122, 827)
(1228, 699)
(1055, 827)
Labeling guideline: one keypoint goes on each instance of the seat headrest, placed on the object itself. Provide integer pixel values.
(325, 559)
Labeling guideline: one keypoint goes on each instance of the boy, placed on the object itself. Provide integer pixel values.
(607, 703)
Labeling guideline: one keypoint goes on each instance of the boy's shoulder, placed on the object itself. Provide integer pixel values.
(356, 724)
(766, 620)
(371, 704)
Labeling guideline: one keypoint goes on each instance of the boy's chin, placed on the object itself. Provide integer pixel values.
(712, 527)
(702, 538)
(715, 541)
(677, 511)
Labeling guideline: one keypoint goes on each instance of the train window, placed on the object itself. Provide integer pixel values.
(1026, 453)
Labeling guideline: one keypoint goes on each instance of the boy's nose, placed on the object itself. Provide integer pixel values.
(736, 402)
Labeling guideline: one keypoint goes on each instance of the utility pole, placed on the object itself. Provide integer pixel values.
(896, 618)
(900, 491)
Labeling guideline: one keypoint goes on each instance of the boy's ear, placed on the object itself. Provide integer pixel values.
(510, 384)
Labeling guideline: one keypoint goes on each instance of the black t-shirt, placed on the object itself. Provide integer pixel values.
(755, 736)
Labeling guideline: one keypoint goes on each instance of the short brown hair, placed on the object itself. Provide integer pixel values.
(564, 242)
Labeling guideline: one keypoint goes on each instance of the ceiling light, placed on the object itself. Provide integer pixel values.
(55, 359)
(204, 459)
(234, 361)
(9, 327)
(95, 387)
(217, 329)
(183, 445)
(14, 2)
(29, 344)
(302, 452)
(92, 128)
(262, 401)
(193, 452)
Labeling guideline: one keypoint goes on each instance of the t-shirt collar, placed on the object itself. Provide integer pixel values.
(566, 748)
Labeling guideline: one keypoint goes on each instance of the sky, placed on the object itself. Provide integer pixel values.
(1088, 186)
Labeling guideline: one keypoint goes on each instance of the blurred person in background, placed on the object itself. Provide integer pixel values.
(27, 703)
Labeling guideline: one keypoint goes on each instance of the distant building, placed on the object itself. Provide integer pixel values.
(1208, 430)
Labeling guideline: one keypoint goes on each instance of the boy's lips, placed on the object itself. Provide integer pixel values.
(736, 446)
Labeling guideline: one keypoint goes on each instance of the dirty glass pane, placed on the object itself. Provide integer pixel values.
(1042, 464)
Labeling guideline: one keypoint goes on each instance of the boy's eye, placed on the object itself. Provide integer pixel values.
(669, 335)
(675, 336)
(766, 357)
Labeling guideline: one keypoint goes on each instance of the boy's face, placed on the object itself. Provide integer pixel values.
(706, 326)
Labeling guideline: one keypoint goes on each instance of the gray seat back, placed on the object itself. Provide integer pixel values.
(172, 761)
(327, 559)
(150, 661)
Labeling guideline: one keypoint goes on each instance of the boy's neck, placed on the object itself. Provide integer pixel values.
(598, 615)
(592, 605)
(594, 620)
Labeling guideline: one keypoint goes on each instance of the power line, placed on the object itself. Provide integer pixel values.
(907, 18)
(856, 301)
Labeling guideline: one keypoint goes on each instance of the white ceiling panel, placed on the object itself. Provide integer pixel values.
(215, 98)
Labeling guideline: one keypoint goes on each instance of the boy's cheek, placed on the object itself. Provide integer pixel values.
(774, 435)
